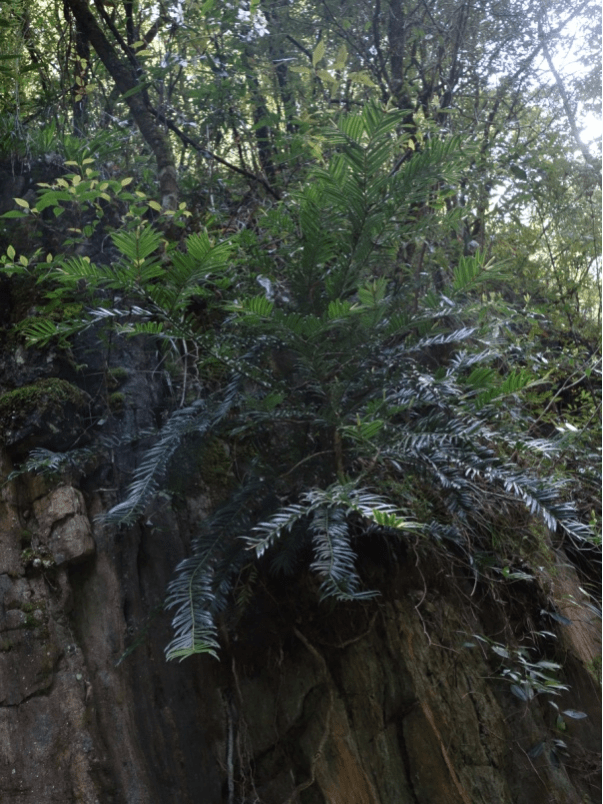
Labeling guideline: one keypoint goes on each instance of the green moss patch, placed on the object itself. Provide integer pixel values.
(47, 396)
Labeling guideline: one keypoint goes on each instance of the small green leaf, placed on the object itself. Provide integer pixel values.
(52, 198)
(361, 78)
(481, 377)
(574, 714)
(559, 618)
(548, 665)
(523, 693)
(536, 750)
(326, 76)
(135, 90)
(341, 59)
(319, 53)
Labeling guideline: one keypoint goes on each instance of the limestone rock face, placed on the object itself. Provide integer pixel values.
(44, 738)
(64, 528)
(390, 701)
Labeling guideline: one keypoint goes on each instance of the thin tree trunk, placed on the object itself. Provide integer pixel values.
(80, 79)
(126, 81)
(567, 106)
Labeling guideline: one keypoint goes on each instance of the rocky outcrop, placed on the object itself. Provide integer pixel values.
(46, 737)
(392, 701)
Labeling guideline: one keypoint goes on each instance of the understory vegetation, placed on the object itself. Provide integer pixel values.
(379, 310)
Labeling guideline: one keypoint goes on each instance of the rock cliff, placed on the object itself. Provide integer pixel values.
(394, 701)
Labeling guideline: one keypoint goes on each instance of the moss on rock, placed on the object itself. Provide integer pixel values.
(117, 401)
(40, 395)
(40, 410)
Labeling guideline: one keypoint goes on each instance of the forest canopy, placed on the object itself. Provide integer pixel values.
(366, 239)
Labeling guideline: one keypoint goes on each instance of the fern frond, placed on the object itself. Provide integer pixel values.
(44, 461)
(200, 418)
(71, 270)
(513, 383)
(462, 360)
(149, 474)
(203, 581)
(256, 306)
(156, 329)
(474, 271)
(334, 558)
(339, 309)
(287, 553)
(139, 244)
(41, 331)
(270, 530)
(209, 257)
(194, 624)
(456, 336)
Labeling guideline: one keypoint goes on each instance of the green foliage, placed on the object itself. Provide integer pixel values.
(527, 678)
(45, 394)
(151, 270)
(471, 273)
(389, 343)
(325, 514)
(202, 419)
(422, 363)
(46, 462)
(354, 213)
(344, 389)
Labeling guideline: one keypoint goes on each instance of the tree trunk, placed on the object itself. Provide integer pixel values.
(128, 81)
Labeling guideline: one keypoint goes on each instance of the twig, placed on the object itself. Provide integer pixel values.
(210, 155)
